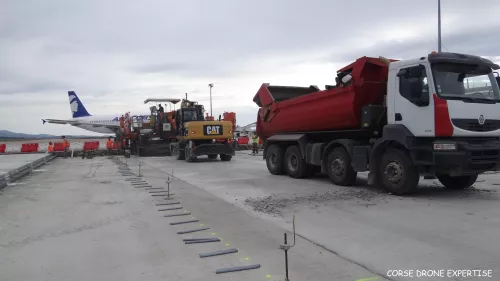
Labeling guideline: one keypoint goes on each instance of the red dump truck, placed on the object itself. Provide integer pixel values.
(437, 115)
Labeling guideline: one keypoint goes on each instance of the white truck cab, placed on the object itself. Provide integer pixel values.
(444, 95)
(443, 120)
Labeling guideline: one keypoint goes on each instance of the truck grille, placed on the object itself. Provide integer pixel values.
(473, 125)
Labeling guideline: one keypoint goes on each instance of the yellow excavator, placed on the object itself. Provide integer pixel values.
(196, 136)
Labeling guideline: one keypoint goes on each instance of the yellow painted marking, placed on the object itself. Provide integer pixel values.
(213, 233)
(368, 279)
(227, 244)
(246, 259)
(201, 224)
(268, 276)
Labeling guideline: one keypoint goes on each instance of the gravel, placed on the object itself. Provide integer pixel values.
(276, 204)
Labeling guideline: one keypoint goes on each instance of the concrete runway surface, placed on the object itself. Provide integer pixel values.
(435, 229)
(86, 219)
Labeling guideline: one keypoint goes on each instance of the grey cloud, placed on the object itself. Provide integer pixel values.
(118, 53)
(472, 42)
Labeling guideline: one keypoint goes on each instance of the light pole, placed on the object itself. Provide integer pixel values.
(439, 26)
(211, 85)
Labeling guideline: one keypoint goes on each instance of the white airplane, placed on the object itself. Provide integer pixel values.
(105, 124)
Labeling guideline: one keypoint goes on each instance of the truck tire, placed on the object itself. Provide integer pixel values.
(274, 160)
(460, 182)
(295, 165)
(212, 156)
(225, 157)
(339, 167)
(397, 173)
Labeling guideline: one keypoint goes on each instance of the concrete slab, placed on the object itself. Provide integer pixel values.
(79, 220)
(435, 229)
(10, 162)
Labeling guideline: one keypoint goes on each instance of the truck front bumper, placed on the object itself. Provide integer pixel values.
(469, 158)
(214, 148)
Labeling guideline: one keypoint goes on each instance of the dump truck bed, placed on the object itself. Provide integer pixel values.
(301, 109)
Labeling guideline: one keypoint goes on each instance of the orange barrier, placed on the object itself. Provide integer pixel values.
(243, 140)
(29, 147)
(3, 146)
(58, 146)
(90, 145)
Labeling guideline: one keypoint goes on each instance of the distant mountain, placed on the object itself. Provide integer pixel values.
(11, 135)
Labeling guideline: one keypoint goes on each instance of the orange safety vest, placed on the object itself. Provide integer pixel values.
(109, 144)
(50, 148)
(65, 143)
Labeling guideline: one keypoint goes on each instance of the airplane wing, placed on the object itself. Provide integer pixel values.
(115, 128)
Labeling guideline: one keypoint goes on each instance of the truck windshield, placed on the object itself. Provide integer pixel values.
(470, 83)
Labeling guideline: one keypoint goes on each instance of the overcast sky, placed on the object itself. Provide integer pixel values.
(115, 54)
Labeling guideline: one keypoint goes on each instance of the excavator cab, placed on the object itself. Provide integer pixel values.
(198, 135)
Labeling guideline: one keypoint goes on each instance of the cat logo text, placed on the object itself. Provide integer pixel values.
(211, 130)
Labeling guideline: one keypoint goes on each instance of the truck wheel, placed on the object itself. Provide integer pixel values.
(212, 156)
(295, 165)
(188, 156)
(460, 182)
(397, 173)
(339, 167)
(225, 157)
(274, 160)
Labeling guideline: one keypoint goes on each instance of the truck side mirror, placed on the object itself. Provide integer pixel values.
(402, 72)
(417, 72)
(419, 97)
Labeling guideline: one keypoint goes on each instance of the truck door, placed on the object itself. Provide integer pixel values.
(413, 103)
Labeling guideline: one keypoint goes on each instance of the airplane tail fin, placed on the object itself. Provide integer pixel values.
(77, 107)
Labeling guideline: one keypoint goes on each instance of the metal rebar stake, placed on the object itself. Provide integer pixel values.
(287, 247)
(168, 187)
(139, 164)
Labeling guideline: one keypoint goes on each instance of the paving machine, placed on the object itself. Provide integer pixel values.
(150, 136)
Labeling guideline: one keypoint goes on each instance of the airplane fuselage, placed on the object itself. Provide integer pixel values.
(104, 120)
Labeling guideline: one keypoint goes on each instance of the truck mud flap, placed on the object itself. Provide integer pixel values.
(214, 148)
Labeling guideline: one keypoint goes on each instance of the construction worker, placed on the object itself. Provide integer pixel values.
(255, 141)
(109, 145)
(50, 148)
(65, 146)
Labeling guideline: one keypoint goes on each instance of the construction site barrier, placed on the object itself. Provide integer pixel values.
(243, 140)
(58, 146)
(90, 145)
(241, 143)
(247, 140)
(29, 147)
